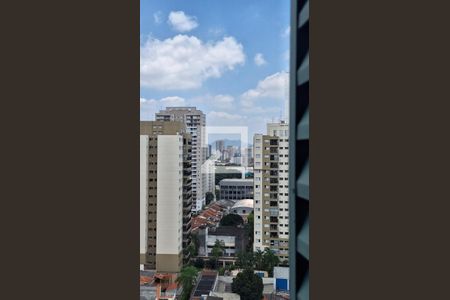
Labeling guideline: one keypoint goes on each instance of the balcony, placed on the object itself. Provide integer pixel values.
(187, 208)
(273, 203)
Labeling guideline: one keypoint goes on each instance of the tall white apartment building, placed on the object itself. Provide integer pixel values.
(271, 207)
(165, 198)
(195, 122)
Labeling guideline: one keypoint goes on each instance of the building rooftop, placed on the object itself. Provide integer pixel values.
(226, 231)
(236, 180)
(243, 203)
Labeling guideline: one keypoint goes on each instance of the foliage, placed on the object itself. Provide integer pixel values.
(248, 285)
(259, 255)
(199, 263)
(187, 278)
(212, 263)
(245, 260)
(260, 260)
(218, 249)
(209, 197)
(232, 220)
(270, 260)
(221, 271)
(195, 244)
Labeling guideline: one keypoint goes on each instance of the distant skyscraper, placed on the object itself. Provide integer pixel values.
(195, 124)
(220, 146)
(165, 194)
(271, 163)
(209, 152)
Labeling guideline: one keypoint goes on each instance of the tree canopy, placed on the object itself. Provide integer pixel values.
(248, 285)
(209, 197)
(260, 260)
(232, 220)
(187, 278)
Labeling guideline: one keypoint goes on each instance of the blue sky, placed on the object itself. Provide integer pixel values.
(228, 58)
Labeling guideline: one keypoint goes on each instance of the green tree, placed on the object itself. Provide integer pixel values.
(187, 279)
(245, 260)
(232, 220)
(195, 242)
(259, 255)
(209, 197)
(212, 263)
(270, 260)
(199, 263)
(218, 249)
(248, 285)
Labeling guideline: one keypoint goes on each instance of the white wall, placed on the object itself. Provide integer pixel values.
(169, 194)
(143, 191)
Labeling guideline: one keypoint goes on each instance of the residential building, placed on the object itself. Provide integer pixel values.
(165, 194)
(195, 122)
(271, 156)
(236, 189)
(208, 169)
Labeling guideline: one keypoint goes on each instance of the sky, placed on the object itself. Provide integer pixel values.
(228, 58)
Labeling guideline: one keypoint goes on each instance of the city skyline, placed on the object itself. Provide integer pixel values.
(192, 55)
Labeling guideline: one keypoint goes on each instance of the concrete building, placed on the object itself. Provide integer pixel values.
(236, 189)
(208, 169)
(195, 122)
(271, 156)
(234, 239)
(281, 279)
(165, 194)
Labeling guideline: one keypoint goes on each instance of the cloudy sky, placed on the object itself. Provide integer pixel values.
(228, 58)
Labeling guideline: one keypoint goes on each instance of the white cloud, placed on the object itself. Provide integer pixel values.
(182, 22)
(185, 62)
(259, 59)
(172, 101)
(273, 87)
(224, 116)
(286, 32)
(157, 17)
(148, 107)
(215, 32)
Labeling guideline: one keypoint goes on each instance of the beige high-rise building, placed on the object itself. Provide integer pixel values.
(271, 207)
(195, 122)
(165, 194)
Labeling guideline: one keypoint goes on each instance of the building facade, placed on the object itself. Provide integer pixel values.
(165, 194)
(236, 189)
(233, 238)
(271, 190)
(195, 122)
